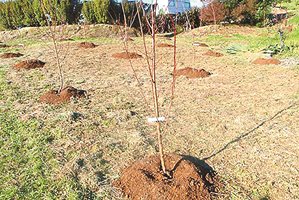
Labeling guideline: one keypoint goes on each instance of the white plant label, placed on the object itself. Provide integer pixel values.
(155, 119)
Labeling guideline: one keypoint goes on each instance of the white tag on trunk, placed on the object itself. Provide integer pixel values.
(155, 119)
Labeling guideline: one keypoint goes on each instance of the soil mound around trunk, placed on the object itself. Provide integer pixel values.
(213, 53)
(126, 55)
(200, 44)
(87, 45)
(29, 64)
(191, 179)
(266, 61)
(164, 45)
(53, 97)
(11, 55)
(192, 73)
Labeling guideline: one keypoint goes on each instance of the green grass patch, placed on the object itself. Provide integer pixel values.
(292, 5)
(294, 20)
(27, 163)
(244, 42)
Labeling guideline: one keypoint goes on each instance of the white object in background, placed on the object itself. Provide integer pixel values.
(155, 119)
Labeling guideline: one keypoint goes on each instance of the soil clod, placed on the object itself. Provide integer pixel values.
(192, 73)
(164, 45)
(126, 55)
(213, 54)
(11, 55)
(189, 180)
(266, 61)
(29, 64)
(53, 97)
(87, 45)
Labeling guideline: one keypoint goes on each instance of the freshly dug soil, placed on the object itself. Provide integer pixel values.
(190, 179)
(53, 97)
(200, 44)
(266, 61)
(213, 53)
(29, 64)
(126, 55)
(164, 45)
(192, 73)
(87, 45)
(11, 55)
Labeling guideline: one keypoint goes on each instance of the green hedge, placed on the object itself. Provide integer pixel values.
(20, 13)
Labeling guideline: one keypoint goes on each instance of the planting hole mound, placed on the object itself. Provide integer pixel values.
(190, 179)
(87, 45)
(213, 53)
(266, 61)
(164, 45)
(29, 64)
(192, 73)
(126, 55)
(11, 55)
(200, 44)
(53, 97)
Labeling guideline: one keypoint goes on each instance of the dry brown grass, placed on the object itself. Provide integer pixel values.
(239, 119)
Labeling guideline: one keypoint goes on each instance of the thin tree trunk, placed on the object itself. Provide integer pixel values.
(158, 125)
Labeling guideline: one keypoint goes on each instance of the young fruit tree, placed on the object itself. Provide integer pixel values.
(166, 176)
(56, 15)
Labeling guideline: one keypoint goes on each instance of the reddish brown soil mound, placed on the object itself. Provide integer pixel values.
(200, 44)
(164, 45)
(192, 73)
(53, 97)
(126, 55)
(29, 64)
(87, 45)
(11, 55)
(266, 61)
(189, 179)
(213, 53)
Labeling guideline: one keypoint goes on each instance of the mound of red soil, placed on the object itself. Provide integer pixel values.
(192, 73)
(213, 53)
(164, 45)
(87, 45)
(29, 64)
(200, 44)
(189, 179)
(11, 55)
(266, 61)
(126, 55)
(53, 97)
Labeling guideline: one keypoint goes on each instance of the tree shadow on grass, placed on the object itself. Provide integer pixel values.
(243, 135)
